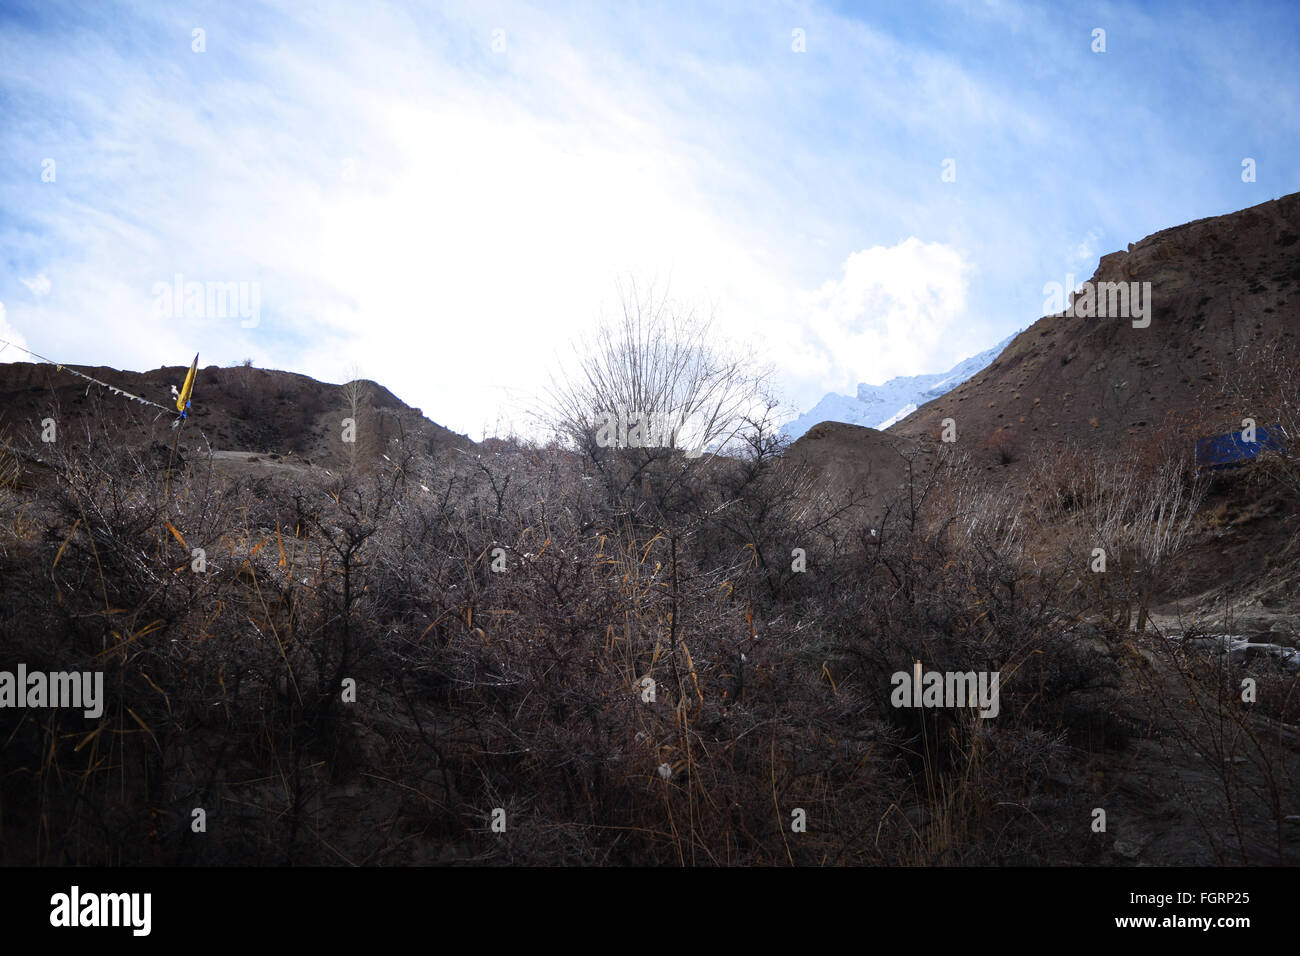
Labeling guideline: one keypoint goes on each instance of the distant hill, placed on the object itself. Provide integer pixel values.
(880, 406)
(256, 410)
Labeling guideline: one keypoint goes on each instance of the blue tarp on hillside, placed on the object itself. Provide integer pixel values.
(1219, 452)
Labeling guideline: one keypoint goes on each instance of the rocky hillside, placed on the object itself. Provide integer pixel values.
(1217, 285)
(1221, 289)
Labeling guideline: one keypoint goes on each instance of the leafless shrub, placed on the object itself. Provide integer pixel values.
(1264, 385)
(1131, 517)
(501, 615)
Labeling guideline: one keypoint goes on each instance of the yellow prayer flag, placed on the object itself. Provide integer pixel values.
(184, 398)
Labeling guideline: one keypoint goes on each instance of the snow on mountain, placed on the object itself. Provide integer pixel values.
(879, 406)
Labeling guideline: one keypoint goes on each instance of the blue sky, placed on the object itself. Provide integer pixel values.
(445, 195)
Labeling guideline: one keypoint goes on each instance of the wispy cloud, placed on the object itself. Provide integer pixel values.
(1086, 250)
(38, 285)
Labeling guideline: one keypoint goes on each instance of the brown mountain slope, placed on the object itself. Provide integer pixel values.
(1217, 285)
(842, 460)
(252, 409)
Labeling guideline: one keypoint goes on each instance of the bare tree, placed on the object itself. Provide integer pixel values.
(656, 372)
(356, 395)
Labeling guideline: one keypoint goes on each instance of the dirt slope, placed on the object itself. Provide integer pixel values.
(843, 459)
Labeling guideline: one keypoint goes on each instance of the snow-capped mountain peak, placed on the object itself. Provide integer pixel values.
(879, 406)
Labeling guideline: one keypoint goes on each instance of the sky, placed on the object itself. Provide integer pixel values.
(446, 196)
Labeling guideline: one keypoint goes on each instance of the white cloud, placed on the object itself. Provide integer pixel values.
(38, 285)
(897, 310)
